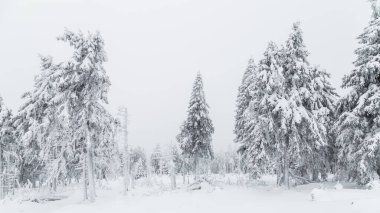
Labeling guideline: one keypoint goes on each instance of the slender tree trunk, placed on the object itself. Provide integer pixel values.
(315, 175)
(132, 179)
(196, 168)
(286, 170)
(126, 169)
(84, 168)
(208, 166)
(183, 178)
(279, 175)
(55, 185)
(172, 175)
(2, 193)
(91, 180)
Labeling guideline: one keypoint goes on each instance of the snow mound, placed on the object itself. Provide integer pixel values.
(375, 184)
(338, 186)
(203, 184)
(103, 184)
(319, 195)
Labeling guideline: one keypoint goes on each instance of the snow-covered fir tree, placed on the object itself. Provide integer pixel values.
(302, 136)
(243, 100)
(8, 149)
(288, 114)
(63, 118)
(107, 154)
(266, 88)
(139, 162)
(182, 164)
(195, 133)
(45, 147)
(322, 103)
(155, 160)
(358, 124)
(81, 86)
(140, 168)
(177, 159)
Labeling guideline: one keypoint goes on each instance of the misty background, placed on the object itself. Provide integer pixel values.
(155, 48)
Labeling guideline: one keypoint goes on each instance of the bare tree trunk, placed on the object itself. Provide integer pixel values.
(84, 168)
(172, 175)
(126, 169)
(208, 166)
(279, 175)
(315, 175)
(54, 184)
(286, 170)
(132, 178)
(2, 194)
(196, 168)
(91, 180)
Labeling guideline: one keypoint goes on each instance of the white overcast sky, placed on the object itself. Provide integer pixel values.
(155, 49)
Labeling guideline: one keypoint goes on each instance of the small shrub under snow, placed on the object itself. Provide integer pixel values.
(318, 195)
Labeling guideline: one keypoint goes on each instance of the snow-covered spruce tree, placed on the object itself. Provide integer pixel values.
(8, 148)
(57, 150)
(27, 122)
(106, 153)
(358, 124)
(242, 102)
(301, 135)
(139, 162)
(123, 114)
(140, 168)
(266, 89)
(322, 102)
(288, 114)
(82, 86)
(195, 134)
(159, 161)
(155, 160)
(177, 159)
(182, 165)
(45, 147)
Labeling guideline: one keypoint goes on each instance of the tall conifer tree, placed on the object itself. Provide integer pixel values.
(243, 100)
(288, 113)
(196, 131)
(358, 125)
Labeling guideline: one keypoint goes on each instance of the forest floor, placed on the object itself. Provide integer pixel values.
(230, 193)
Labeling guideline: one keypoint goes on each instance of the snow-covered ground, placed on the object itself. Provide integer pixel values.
(228, 194)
